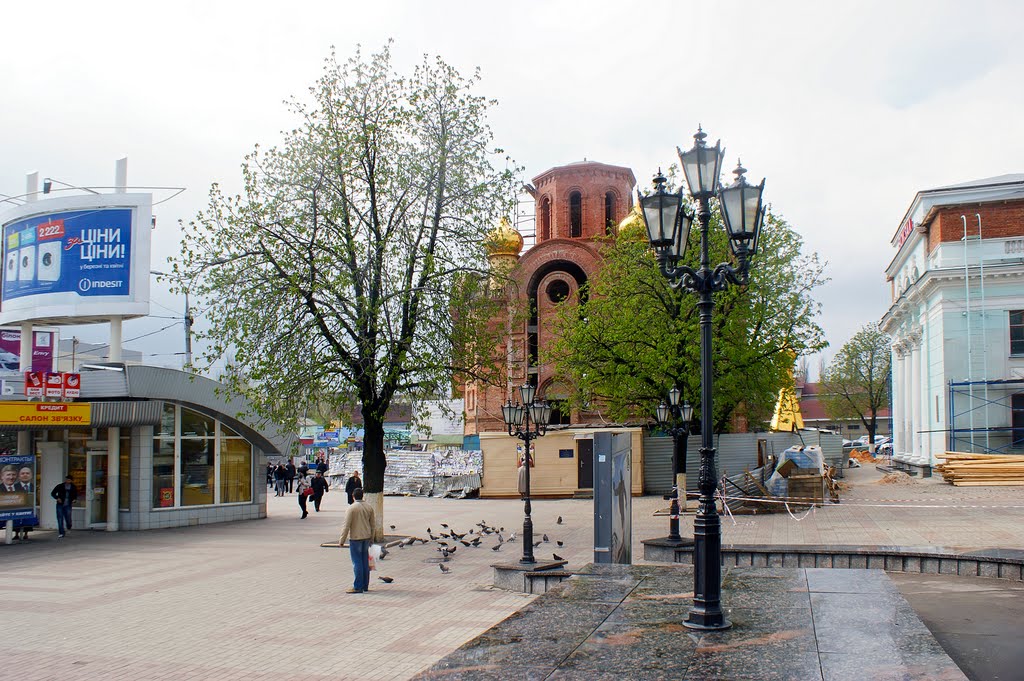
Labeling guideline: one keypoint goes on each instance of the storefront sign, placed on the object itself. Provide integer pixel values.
(54, 385)
(34, 383)
(18, 488)
(72, 385)
(30, 414)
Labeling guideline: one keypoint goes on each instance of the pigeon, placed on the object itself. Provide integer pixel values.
(452, 549)
(432, 536)
(476, 542)
(465, 543)
(501, 529)
(392, 527)
(383, 553)
(559, 521)
(556, 556)
(458, 536)
(501, 540)
(406, 542)
(496, 547)
(511, 537)
(536, 544)
(443, 543)
(546, 538)
(560, 543)
(444, 525)
(444, 568)
(386, 580)
(428, 530)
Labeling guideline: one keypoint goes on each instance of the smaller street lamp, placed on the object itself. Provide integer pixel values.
(675, 419)
(518, 418)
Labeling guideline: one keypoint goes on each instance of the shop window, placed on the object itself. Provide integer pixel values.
(575, 214)
(1017, 332)
(197, 471)
(124, 471)
(235, 470)
(193, 466)
(166, 427)
(163, 473)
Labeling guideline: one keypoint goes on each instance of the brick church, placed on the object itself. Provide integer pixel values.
(577, 207)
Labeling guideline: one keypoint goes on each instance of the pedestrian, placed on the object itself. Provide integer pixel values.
(360, 529)
(65, 495)
(320, 487)
(270, 474)
(304, 469)
(321, 465)
(290, 479)
(353, 483)
(279, 476)
(304, 489)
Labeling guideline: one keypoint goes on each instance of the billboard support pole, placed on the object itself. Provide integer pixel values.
(115, 339)
(121, 175)
(32, 186)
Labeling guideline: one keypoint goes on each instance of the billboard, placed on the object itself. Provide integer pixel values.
(76, 260)
(44, 350)
(17, 488)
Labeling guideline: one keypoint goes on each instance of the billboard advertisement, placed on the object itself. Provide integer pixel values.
(17, 488)
(76, 260)
(44, 350)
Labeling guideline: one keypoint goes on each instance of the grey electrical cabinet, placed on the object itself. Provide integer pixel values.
(613, 482)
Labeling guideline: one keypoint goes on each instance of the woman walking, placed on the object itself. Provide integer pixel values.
(305, 491)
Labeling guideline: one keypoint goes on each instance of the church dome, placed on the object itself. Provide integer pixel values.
(632, 226)
(504, 240)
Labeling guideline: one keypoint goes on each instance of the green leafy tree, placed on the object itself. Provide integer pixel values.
(635, 336)
(333, 277)
(856, 383)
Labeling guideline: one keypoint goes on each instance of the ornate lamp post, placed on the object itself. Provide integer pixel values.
(675, 419)
(518, 418)
(668, 228)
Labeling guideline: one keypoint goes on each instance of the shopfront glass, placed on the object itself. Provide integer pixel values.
(97, 493)
(198, 461)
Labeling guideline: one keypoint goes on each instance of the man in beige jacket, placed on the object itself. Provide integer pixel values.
(359, 529)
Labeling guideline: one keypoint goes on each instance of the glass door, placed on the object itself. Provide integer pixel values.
(96, 490)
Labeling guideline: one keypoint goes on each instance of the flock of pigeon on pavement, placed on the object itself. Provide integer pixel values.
(448, 541)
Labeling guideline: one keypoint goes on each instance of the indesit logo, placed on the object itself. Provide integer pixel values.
(86, 285)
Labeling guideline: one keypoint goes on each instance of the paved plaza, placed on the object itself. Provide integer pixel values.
(262, 599)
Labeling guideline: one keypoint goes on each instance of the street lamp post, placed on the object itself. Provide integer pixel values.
(668, 228)
(518, 418)
(675, 419)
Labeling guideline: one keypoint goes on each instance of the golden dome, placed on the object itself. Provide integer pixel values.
(504, 240)
(632, 226)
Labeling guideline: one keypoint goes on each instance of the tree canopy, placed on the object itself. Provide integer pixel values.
(634, 336)
(856, 383)
(333, 276)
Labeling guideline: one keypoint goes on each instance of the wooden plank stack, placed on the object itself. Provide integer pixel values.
(981, 470)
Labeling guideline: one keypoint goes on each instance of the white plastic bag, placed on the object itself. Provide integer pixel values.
(374, 555)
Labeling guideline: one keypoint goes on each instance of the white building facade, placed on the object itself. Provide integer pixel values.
(957, 322)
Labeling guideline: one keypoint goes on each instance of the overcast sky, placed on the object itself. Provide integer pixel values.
(848, 109)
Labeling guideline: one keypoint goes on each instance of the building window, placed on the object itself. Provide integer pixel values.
(198, 461)
(609, 213)
(1017, 420)
(545, 219)
(575, 214)
(558, 290)
(1017, 332)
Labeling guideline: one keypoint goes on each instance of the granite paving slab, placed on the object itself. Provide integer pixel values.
(797, 624)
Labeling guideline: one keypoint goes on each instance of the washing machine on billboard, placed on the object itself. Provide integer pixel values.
(48, 263)
(27, 264)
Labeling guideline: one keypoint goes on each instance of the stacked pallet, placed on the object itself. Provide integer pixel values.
(981, 470)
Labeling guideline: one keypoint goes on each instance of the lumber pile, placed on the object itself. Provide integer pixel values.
(981, 470)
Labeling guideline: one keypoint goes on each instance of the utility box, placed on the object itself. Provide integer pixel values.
(613, 502)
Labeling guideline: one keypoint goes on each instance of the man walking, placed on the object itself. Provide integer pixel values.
(320, 487)
(290, 469)
(359, 530)
(65, 495)
(353, 483)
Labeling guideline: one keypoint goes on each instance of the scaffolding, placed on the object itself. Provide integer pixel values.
(996, 403)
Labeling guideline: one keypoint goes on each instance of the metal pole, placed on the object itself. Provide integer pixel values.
(188, 332)
(527, 521)
(673, 509)
(706, 612)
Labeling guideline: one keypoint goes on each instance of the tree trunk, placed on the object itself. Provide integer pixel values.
(374, 463)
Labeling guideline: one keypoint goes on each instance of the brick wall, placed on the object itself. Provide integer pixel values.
(998, 221)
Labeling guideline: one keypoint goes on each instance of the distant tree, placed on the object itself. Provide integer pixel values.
(634, 337)
(856, 383)
(334, 276)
